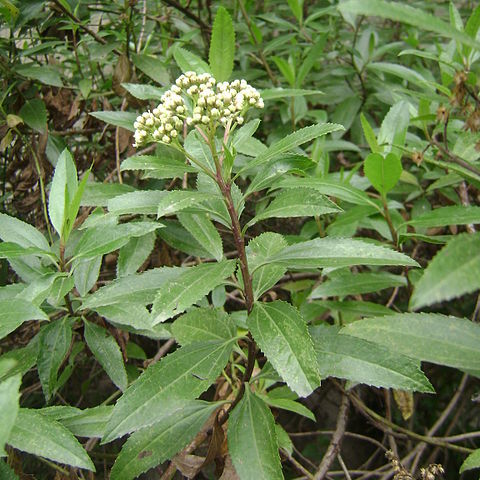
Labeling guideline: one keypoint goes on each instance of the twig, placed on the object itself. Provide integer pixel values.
(344, 467)
(335, 442)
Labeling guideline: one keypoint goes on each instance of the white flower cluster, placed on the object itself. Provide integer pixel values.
(196, 99)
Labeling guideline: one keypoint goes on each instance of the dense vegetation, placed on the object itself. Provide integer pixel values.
(239, 239)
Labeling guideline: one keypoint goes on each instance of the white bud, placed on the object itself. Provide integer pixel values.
(240, 120)
(205, 119)
(197, 117)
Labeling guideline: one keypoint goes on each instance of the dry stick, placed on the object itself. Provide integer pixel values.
(344, 467)
(335, 442)
(441, 420)
(452, 157)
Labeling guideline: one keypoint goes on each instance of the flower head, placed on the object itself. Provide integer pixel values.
(196, 99)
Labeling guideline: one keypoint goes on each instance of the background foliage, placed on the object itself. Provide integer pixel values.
(241, 325)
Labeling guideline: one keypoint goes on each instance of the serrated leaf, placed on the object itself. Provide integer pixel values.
(63, 189)
(203, 324)
(354, 284)
(182, 375)
(9, 397)
(472, 461)
(90, 422)
(297, 203)
(118, 119)
(15, 231)
(98, 194)
(153, 67)
(429, 337)
(34, 114)
(252, 441)
(202, 229)
(289, 405)
(140, 202)
(144, 92)
(357, 308)
(443, 216)
(85, 274)
(282, 335)
(161, 166)
(14, 250)
(259, 248)
(333, 188)
(188, 61)
(189, 288)
(55, 340)
(290, 142)
(336, 252)
(222, 46)
(134, 254)
(107, 352)
(19, 360)
(99, 240)
(454, 271)
(46, 74)
(383, 172)
(394, 127)
(13, 312)
(138, 288)
(178, 200)
(369, 135)
(361, 361)
(175, 235)
(153, 445)
(406, 14)
(39, 435)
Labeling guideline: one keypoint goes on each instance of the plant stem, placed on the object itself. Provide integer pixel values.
(388, 218)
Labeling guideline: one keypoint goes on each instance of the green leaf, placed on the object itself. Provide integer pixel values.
(282, 335)
(153, 67)
(144, 92)
(177, 200)
(13, 312)
(9, 397)
(175, 235)
(330, 187)
(286, 69)
(472, 461)
(139, 202)
(361, 361)
(160, 167)
(370, 135)
(98, 194)
(297, 203)
(204, 232)
(252, 441)
(55, 340)
(19, 360)
(46, 74)
(259, 248)
(134, 254)
(383, 172)
(337, 252)
(118, 119)
(107, 352)
(85, 274)
(288, 404)
(6, 473)
(62, 192)
(182, 375)
(443, 216)
(354, 284)
(90, 422)
(153, 445)
(356, 308)
(189, 288)
(139, 288)
(453, 272)
(399, 12)
(283, 439)
(274, 93)
(14, 250)
(34, 114)
(99, 240)
(14, 230)
(222, 46)
(203, 324)
(37, 434)
(429, 337)
(290, 142)
(188, 61)
(394, 127)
